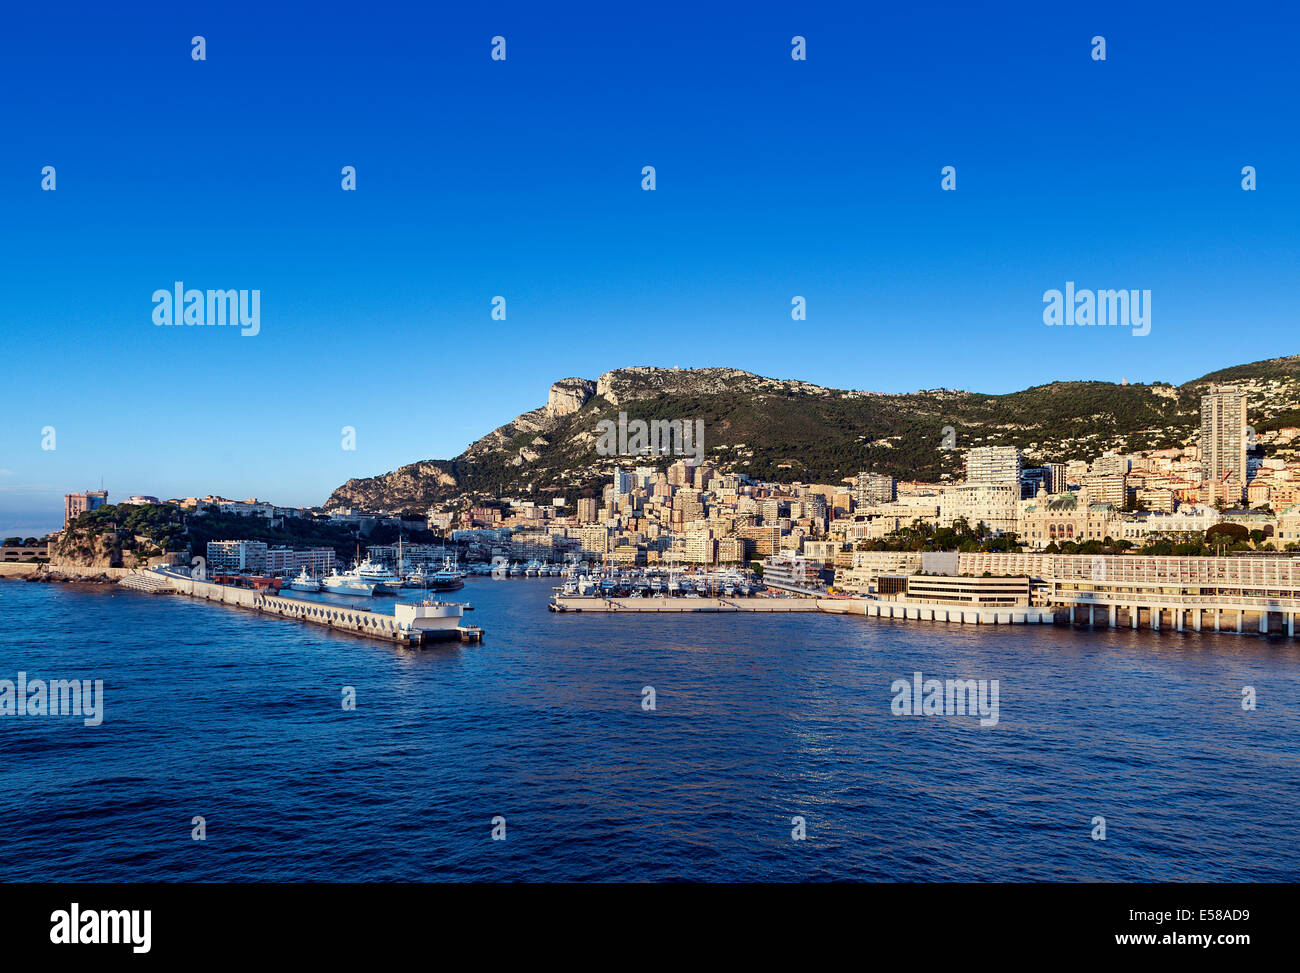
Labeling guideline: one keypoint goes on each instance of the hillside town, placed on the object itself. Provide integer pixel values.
(1226, 490)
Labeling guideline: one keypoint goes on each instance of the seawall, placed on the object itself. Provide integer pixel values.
(60, 572)
(341, 618)
(920, 611)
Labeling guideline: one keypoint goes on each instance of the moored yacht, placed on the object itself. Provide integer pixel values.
(304, 582)
(347, 584)
(446, 578)
(384, 580)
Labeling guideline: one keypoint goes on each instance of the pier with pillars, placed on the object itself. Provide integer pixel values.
(1240, 618)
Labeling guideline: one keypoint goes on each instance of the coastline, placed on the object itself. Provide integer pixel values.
(67, 574)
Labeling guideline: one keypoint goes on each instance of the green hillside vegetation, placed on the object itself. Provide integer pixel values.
(171, 529)
(794, 432)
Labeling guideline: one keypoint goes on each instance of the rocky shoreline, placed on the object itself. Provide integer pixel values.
(64, 574)
(51, 578)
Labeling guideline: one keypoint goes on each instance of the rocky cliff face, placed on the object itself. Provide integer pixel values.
(562, 429)
(568, 395)
(82, 549)
(416, 485)
(625, 385)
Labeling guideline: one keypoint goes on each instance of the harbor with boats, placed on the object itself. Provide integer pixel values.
(343, 599)
(411, 623)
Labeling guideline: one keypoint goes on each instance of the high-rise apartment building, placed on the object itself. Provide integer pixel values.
(993, 466)
(1223, 441)
(1056, 477)
(873, 489)
(730, 550)
(680, 473)
(1108, 464)
(760, 540)
(595, 540)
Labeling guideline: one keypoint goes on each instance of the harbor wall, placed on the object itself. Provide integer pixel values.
(917, 611)
(59, 572)
(341, 618)
(653, 605)
(931, 612)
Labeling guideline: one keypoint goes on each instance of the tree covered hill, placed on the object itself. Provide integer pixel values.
(786, 430)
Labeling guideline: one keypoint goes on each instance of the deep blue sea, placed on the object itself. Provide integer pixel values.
(216, 712)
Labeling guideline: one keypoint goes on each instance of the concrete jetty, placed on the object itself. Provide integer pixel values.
(873, 608)
(407, 629)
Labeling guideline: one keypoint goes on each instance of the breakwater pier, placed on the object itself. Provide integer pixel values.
(411, 624)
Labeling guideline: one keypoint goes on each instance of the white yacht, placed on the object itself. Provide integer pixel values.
(347, 584)
(384, 581)
(304, 582)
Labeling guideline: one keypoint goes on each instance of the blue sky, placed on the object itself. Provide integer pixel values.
(521, 178)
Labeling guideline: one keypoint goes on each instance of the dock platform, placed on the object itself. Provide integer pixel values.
(356, 620)
(919, 611)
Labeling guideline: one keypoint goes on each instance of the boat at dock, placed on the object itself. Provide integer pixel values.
(385, 581)
(349, 583)
(304, 582)
(446, 578)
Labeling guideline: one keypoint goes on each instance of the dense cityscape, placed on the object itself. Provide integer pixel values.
(1220, 494)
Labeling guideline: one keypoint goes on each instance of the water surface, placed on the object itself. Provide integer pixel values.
(218, 712)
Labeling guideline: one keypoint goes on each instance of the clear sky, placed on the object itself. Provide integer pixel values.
(522, 178)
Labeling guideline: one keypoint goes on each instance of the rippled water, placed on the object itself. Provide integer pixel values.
(217, 712)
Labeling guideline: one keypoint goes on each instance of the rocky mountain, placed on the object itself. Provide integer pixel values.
(786, 430)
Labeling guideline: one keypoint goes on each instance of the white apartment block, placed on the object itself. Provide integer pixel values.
(993, 465)
(236, 556)
(700, 549)
(995, 505)
(872, 489)
(1223, 439)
